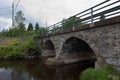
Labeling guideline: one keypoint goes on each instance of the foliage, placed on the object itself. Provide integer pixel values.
(68, 24)
(12, 51)
(30, 27)
(8, 41)
(29, 34)
(17, 49)
(72, 21)
(14, 32)
(41, 31)
(18, 29)
(98, 73)
(37, 27)
(21, 29)
(19, 18)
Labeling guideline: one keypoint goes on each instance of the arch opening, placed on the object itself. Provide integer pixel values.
(49, 45)
(75, 49)
(49, 49)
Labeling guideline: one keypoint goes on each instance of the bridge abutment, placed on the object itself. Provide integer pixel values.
(48, 53)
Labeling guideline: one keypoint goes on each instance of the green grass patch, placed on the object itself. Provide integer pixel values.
(17, 48)
(98, 73)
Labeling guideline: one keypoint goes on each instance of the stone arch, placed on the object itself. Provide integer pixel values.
(76, 48)
(49, 49)
(49, 45)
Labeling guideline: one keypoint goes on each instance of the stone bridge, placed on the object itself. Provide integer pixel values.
(99, 40)
(91, 35)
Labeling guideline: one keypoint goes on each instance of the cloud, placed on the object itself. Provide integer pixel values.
(5, 8)
(5, 23)
(41, 11)
(53, 11)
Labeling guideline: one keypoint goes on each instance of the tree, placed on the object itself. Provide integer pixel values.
(19, 18)
(22, 29)
(3, 32)
(70, 22)
(37, 28)
(30, 27)
(19, 22)
(19, 29)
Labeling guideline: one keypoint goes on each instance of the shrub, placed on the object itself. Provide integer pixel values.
(17, 49)
(11, 51)
(98, 73)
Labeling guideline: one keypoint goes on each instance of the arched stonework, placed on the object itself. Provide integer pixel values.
(49, 49)
(49, 45)
(75, 45)
(104, 41)
(86, 36)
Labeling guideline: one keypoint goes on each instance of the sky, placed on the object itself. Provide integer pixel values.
(43, 11)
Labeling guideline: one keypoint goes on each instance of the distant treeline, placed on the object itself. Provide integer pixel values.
(19, 29)
(22, 31)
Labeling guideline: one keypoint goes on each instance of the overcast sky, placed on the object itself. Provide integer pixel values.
(42, 11)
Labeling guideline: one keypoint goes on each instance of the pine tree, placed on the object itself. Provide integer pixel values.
(30, 27)
(37, 27)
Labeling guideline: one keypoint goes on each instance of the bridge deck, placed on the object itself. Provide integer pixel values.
(102, 23)
(104, 13)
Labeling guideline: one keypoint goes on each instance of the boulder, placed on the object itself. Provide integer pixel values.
(54, 61)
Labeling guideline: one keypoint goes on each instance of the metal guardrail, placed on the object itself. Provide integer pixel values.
(101, 11)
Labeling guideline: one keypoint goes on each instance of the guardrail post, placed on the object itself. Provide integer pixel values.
(47, 30)
(62, 25)
(102, 17)
(73, 23)
(91, 15)
(54, 29)
(42, 32)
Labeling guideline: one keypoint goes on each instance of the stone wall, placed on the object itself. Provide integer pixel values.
(103, 40)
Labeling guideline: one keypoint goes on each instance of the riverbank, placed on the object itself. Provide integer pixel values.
(103, 73)
(25, 48)
(18, 48)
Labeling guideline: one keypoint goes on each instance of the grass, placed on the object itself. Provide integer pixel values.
(8, 41)
(98, 73)
(16, 47)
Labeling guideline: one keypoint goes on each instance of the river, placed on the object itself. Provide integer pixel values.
(37, 70)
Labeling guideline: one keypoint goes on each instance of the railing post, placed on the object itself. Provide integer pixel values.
(102, 17)
(62, 25)
(54, 29)
(42, 32)
(47, 30)
(73, 23)
(91, 15)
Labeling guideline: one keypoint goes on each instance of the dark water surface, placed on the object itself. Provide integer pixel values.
(36, 70)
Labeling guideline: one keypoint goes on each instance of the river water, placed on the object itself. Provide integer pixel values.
(37, 70)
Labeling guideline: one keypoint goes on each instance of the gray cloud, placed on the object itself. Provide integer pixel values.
(51, 11)
(5, 14)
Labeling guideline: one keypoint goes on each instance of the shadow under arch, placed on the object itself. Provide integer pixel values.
(75, 49)
(49, 49)
(49, 45)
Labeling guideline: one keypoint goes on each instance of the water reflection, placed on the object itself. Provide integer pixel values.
(36, 70)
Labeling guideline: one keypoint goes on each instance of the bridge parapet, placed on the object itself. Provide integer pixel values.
(100, 12)
(110, 21)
